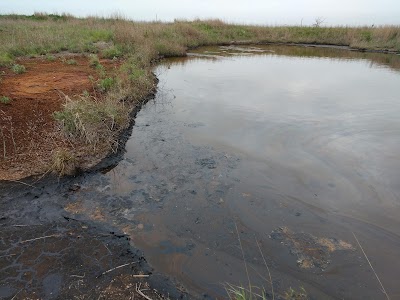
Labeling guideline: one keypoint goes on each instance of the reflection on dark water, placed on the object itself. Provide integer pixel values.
(297, 147)
(336, 53)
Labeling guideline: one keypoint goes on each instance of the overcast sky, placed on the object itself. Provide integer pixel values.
(270, 12)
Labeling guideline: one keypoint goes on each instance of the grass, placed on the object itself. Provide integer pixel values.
(137, 46)
(71, 62)
(251, 292)
(94, 61)
(63, 162)
(18, 69)
(5, 100)
(94, 121)
(54, 34)
(106, 84)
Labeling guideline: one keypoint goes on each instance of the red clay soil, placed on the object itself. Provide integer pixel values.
(28, 131)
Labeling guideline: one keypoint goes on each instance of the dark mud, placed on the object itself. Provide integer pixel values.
(46, 253)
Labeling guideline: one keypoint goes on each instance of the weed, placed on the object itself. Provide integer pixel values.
(106, 84)
(5, 100)
(71, 62)
(5, 59)
(102, 71)
(50, 57)
(112, 52)
(242, 293)
(95, 121)
(85, 94)
(18, 69)
(63, 162)
(94, 60)
(292, 294)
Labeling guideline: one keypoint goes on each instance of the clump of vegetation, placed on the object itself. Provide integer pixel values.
(106, 84)
(63, 162)
(292, 294)
(242, 293)
(112, 52)
(18, 69)
(95, 121)
(71, 62)
(50, 57)
(94, 60)
(5, 100)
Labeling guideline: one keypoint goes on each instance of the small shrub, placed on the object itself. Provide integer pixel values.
(106, 84)
(5, 100)
(18, 69)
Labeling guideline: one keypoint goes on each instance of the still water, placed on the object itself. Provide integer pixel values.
(293, 150)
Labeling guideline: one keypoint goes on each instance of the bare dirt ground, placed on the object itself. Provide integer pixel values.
(28, 131)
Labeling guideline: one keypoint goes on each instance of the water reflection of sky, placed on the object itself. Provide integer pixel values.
(372, 60)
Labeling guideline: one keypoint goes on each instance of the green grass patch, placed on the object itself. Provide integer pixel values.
(5, 100)
(18, 69)
(106, 84)
(112, 52)
(6, 59)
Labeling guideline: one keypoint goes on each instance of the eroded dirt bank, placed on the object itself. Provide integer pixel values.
(29, 133)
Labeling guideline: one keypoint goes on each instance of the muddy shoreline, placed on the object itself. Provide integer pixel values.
(46, 253)
(316, 45)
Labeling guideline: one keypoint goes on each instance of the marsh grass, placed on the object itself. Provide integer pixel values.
(95, 121)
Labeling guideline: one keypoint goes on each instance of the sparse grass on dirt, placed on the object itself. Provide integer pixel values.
(137, 46)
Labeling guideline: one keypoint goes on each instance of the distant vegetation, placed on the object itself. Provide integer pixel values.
(57, 33)
(138, 45)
